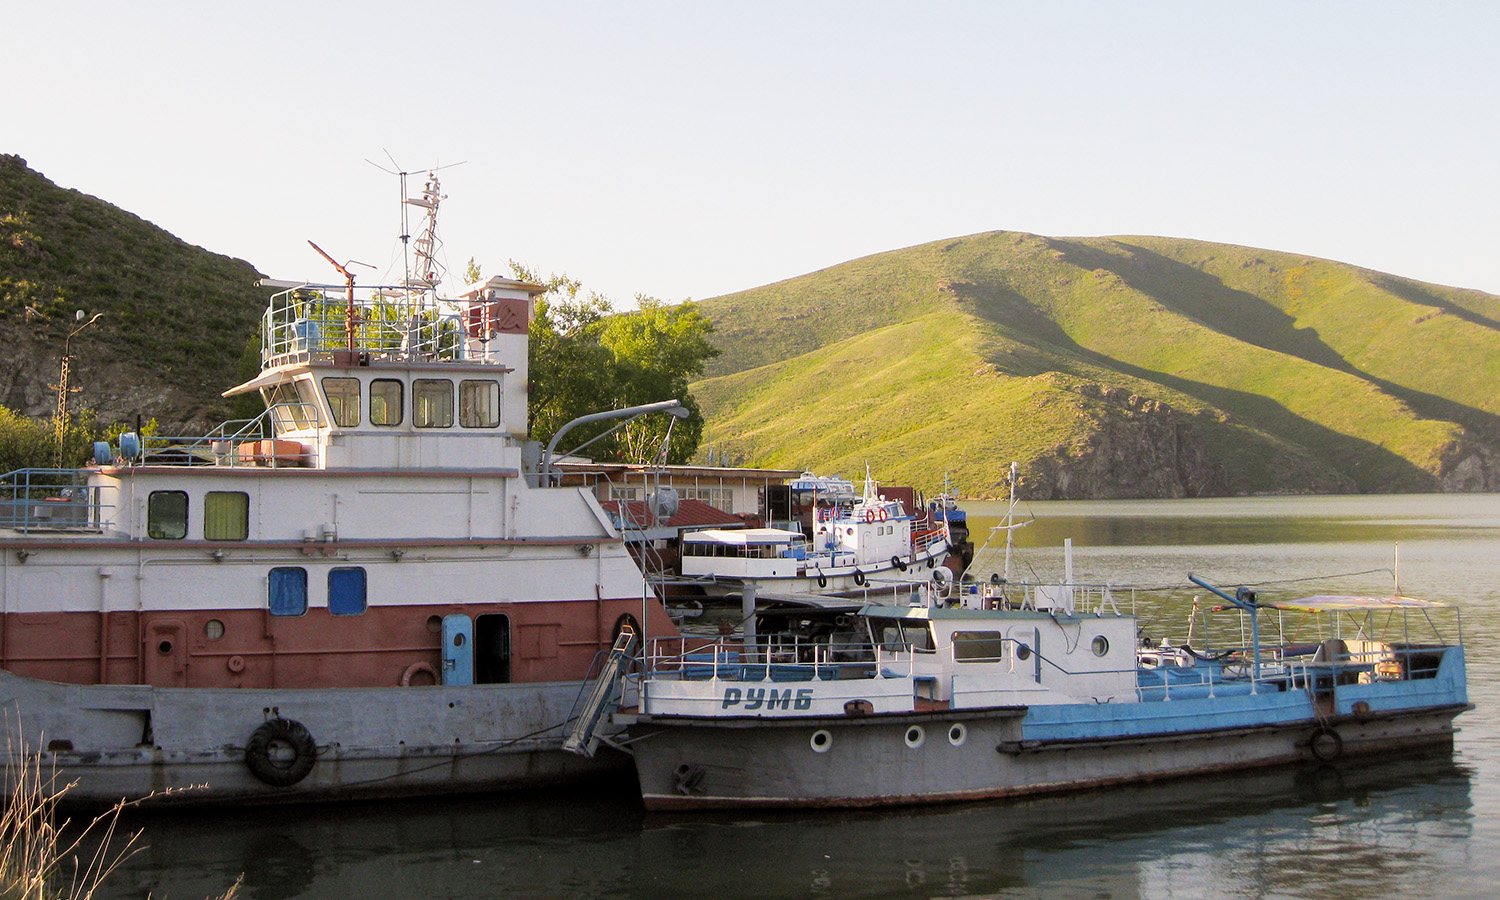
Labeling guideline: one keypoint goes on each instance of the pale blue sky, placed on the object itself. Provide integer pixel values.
(693, 149)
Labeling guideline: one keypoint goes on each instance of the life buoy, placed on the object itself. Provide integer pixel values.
(859, 578)
(824, 514)
(869, 515)
(1326, 744)
(898, 563)
(419, 668)
(822, 580)
(281, 752)
(883, 515)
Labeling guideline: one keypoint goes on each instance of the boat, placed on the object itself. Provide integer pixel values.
(374, 589)
(856, 541)
(966, 692)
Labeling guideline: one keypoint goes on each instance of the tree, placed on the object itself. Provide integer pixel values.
(587, 357)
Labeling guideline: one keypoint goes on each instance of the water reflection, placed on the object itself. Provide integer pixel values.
(1353, 829)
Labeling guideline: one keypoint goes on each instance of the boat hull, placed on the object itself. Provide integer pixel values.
(193, 746)
(951, 756)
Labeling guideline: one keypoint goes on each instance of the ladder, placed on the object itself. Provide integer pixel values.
(581, 739)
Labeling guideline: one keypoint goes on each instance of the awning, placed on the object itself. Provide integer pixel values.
(265, 379)
(1326, 603)
(741, 537)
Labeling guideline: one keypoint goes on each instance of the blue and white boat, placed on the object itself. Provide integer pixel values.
(1002, 689)
(856, 540)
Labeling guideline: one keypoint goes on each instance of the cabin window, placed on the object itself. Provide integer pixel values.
(479, 403)
(385, 401)
(167, 515)
(346, 591)
(977, 646)
(226, 516)
(624, 493)
(286, 591)
(432, 403)
(904, 637)
(1100, 645)
(343, 400)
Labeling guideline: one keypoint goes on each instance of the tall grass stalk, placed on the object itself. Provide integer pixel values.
(42, 857)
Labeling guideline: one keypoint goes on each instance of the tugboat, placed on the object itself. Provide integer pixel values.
(371, 590)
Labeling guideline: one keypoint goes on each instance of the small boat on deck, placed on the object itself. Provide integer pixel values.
(1005, 690)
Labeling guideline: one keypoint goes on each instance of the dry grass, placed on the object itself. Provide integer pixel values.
(43, 857)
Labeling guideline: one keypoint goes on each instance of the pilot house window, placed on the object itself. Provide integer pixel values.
(385, 402)
(432, 403)
(479, 403)
(343, 400)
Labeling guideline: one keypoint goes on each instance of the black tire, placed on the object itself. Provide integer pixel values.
(281, 735)
(859, 578)
(822, 580)
(897, 562)
(1326, 744)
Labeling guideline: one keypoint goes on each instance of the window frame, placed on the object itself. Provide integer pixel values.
(209, 517)
(335, 601)
(425, 402)
(153, 514)
(340, 408)
(271, 591)
(376, 388)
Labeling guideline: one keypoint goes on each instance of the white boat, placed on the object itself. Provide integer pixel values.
(366, 592)
(1002, 690)
(857, 542)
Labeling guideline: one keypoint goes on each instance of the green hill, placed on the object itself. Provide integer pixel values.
(176, 318)
(1127, 366)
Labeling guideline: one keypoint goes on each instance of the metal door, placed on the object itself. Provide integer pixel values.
(458, 649)
(165, 653)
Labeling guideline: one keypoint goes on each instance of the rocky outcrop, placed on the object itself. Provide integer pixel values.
(1136, 448)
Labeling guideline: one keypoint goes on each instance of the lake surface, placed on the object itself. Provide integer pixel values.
(1418, 826)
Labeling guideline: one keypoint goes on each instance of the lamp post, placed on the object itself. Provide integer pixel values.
(62, 383)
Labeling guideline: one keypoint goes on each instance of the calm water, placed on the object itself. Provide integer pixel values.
(1422, 826)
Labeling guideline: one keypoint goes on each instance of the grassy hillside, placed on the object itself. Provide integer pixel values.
(1228, 369)
(176, 317)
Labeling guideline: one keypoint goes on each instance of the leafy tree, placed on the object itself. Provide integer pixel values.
(586, 357)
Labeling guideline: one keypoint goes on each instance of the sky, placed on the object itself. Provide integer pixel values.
(692, 149)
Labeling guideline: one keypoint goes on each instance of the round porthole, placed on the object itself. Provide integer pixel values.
(435, 624)
(213, 629)
(957, 734)
(1100, 645)
(1023, 652)
(164, 648)
(821, 740)
(915, 736)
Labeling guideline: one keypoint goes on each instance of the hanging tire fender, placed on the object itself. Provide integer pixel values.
(281, 752)
(859, 578)
(1325, 744)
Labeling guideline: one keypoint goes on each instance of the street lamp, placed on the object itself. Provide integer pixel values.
(62, 382)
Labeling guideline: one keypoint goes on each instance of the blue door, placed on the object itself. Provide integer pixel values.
(458, 650)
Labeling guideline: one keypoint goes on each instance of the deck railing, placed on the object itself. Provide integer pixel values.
(50, 500)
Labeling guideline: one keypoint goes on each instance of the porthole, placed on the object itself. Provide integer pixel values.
(821, 740)
(957, 734)
(213, 629)
(435, 624)
(1100, 645)
(915, 736)
(1023, 652)
(164, 648)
